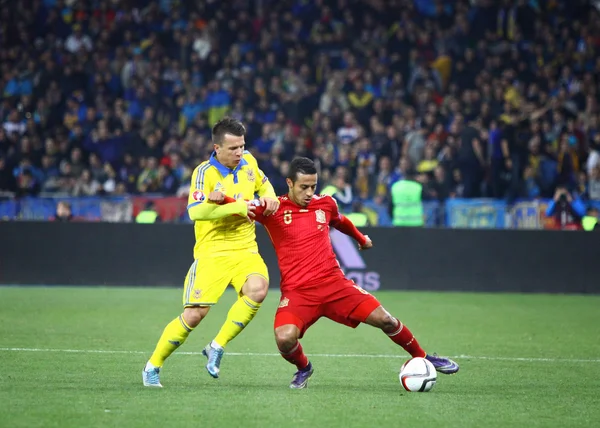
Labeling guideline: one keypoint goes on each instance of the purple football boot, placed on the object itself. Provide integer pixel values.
(300, 379)
(442, 365)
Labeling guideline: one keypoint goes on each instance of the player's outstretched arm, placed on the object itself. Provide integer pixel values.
(206, 204)
(203, 211)
(344, 225)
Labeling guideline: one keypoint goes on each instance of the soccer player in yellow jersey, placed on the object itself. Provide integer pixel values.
(225, 252)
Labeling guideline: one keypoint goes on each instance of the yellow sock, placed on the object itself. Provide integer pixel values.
(240, 314)
(172, 338)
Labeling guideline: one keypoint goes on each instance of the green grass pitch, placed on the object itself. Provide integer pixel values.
(72, 357)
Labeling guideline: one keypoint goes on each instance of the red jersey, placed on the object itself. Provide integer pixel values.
(300, 236)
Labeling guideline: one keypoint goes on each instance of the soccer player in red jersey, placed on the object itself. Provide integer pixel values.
(312, 282)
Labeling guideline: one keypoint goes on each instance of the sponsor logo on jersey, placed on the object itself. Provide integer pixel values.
(198, 196)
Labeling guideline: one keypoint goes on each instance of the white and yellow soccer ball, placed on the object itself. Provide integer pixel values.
(418, 375)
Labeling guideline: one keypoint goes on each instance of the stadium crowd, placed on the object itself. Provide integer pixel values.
(474, 98)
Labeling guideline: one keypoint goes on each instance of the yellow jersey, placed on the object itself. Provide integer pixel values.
(231, 233)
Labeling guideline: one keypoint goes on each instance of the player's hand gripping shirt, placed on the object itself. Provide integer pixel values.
(222, 229)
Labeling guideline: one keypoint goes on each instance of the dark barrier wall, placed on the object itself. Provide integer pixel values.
(428, 259)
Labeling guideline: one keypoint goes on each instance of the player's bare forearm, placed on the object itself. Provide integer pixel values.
(346, 226)
(208, 211)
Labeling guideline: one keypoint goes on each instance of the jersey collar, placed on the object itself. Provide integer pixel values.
(222, 168)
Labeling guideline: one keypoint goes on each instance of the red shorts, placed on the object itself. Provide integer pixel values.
(341, 301)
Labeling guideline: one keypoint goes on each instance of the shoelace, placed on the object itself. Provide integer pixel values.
(153, 376)
(300, 374)
(215, 356)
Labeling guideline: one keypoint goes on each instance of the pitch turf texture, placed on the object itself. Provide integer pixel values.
(72, 357)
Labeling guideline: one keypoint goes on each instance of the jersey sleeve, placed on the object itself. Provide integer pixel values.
(199, 208)
(336, 216)
(201, 185)
(262, 185)
(344, 225)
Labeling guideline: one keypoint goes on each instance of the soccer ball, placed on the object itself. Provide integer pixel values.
(418, 375)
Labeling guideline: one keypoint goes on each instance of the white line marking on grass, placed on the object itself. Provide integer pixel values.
(259, 354)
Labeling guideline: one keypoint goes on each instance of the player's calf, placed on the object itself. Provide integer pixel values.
(291, 350)
(173, 336)
(396, 331)
(401, 335)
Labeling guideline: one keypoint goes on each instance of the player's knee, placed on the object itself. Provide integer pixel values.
(286, 337)
(380, 318)
(388, 323)
(256, 288)
(193, 316)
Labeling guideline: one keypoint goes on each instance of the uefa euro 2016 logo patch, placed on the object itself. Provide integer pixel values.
(198, 196)
(197, 293)
(251, 176)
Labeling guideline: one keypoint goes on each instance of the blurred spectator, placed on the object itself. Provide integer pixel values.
(357, 215)
(341, 190)
(168, 183)
(407, 202)
(594, 184)
(64, 213)
(7, 181)
(439, 188)
(566, 210)
(148, 214)
(532, 186)
(590, 220)
(86, 185)
(568, 160)
(594, 157)
(383, 181)
(362, 183)
(77, 42)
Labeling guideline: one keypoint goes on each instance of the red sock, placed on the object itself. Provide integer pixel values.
(403, 337)
(296, 356)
